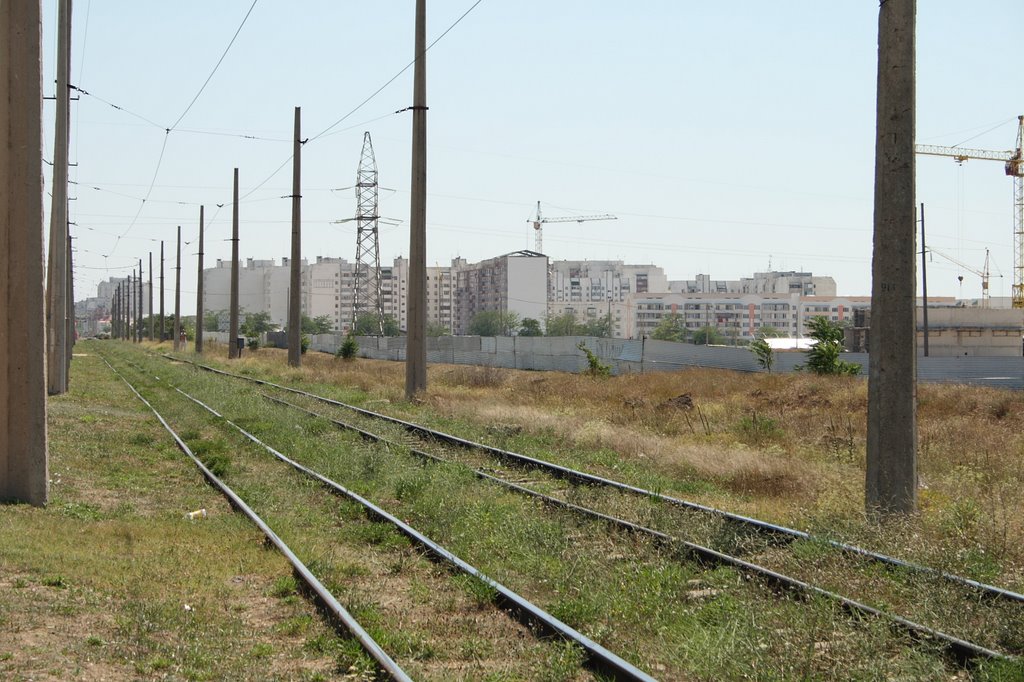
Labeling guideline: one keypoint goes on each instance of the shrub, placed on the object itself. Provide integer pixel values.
(764, 353)
(349, 348)
(823, 356)
(304, 343)
(595, 367)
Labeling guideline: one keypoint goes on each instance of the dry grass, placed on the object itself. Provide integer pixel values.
(788, 447)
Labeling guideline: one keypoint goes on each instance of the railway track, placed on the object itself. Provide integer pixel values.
(960, 648)
(595, 657)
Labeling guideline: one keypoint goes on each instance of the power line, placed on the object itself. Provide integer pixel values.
(216, 66)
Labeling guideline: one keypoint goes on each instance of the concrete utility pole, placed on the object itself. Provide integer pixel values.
(129, 308)
(161, 290)
(138, 323)
(24, 470)
(416, 332)
(295, 287)
(57, 264)
(891, 481)
(177, 296)
(199, 289)
(233, 303)
(924, 283)
(69, 309)
(150, 295)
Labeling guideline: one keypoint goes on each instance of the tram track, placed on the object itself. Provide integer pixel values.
(960, 647)
(596, 657)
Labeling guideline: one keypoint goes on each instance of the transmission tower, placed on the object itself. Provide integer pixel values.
(367, 289)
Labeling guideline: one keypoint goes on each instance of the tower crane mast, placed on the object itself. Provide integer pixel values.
(538, 224)
(1013, 164)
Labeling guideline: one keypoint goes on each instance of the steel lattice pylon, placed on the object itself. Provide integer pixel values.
(366, 296)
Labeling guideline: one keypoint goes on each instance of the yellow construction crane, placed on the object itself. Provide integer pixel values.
(984, 273)
(538, 224)
(1014, 166)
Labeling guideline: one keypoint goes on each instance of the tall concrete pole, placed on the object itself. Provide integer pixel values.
(924, 283)
(150, 295)
(24, 470)
(891, 480)
(295, 286)
(199, 289)
(161, 290)
(177, 296)
(69, 329)
(57, 269)
(416, 329)
(138, 316)
(233, 303)
(129, 307)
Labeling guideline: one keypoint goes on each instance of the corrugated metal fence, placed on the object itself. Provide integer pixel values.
(623, 356)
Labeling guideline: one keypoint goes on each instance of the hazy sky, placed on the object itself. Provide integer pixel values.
(725, 136)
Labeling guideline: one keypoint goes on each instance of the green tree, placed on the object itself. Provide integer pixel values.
(823, 356)
(317, 325)
(670, 328)
(211, 320)
(493, 323)
(707, 336)
(600, 327)
(435, 329)
(256, 324)
(562, 325)
(367, 325)
(530, 327)
(763, 352)
(349, 348)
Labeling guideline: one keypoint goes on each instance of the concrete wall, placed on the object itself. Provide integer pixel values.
(626, 355)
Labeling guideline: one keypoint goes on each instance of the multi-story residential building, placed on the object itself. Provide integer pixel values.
(591, 289)
(515, 282)
(779, 283)
(262, 287)
(741, 316)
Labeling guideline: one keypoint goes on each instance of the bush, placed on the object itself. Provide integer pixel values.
(595, 367)
(763, 352)
(252, 343)
(304, 343)
(349, 348)
(823, 356)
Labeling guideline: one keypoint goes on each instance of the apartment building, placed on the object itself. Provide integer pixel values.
(740, 316)
(773, 282)
(515, 282)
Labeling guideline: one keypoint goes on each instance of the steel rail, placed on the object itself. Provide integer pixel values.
(591, 479)
(598, 657)
(371, 647)
(963, 650)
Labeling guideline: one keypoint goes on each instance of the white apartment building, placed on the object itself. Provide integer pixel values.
(592, 289)
(515, 282)
(263, 286)
(773, 282)
(740, 316)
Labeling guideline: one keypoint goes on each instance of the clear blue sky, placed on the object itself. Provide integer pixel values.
(723, 135)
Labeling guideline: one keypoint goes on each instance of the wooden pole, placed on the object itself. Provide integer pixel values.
(891, 475)
(295, 287)
(416, 329)
(233, 304)
(24, 466)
